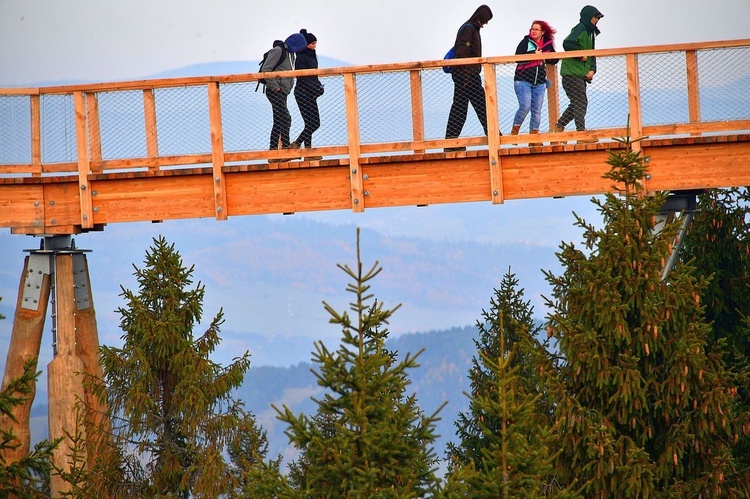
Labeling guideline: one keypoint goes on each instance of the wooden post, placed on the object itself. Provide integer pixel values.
(94, 126)
(25, 342)
(634, 100)
(149, 114)
(417, 107)
(84, 168)
(553, 95)
(217, 151)
(693, 89)
(493, 133)
(36, 135)
(352, 125)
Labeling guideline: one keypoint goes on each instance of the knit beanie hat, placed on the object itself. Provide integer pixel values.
(309, 37)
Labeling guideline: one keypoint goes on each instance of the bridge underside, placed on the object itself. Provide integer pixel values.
(52, 205)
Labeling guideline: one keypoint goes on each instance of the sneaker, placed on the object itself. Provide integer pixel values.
(454, 149)
(557, 129)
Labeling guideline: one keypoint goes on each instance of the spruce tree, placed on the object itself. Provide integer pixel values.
(505, 438)
(367, 438)
(645, 406)
(171, 406)
(718, 245)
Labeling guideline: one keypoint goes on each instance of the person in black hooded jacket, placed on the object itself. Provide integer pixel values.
(306, 93)
(467, 82)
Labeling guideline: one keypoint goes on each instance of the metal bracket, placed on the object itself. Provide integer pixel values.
(39, 266)
(80, 282)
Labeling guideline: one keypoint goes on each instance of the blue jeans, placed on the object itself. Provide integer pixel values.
(530, 98)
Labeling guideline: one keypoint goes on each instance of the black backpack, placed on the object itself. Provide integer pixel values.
(276, 43)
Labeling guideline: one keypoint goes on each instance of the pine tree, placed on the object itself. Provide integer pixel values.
(718, 245)
(646, 406)
(29, 476)
(380, 442)
(170, 405)
(505, 438)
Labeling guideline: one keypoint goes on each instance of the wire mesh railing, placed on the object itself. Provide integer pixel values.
(159, 124)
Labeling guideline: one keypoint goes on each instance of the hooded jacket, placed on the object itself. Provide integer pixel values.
(469, 41)
(309, 85)
(581, 37)
(272, 61)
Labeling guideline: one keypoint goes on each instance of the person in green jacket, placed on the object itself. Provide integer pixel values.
(578, 72)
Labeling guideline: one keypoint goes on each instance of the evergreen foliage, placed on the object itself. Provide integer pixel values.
(170, 406)
(718, 245)
(368, 438)
(29, 476)
(645, 406)
(506, 437)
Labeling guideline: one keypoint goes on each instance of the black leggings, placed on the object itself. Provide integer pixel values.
(308, 108)
(575, 89)
(466, 88)
(282, 120)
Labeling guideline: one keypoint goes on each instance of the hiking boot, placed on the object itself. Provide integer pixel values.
(454, 149)
(535, 132)
(515, 129)
(557, 129)
(293, 145)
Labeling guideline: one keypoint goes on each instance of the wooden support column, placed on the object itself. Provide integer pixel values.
(417, 107)
(25, 343)
(352, 125)
(63, 373)
(493, 133)
(217, 151)
(87, 350)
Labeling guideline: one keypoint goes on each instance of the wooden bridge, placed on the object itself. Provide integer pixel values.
(77, 158)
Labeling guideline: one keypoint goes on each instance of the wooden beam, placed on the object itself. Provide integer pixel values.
(553, 95)
(36, 135)
(152, 137)
(94, 127)
(634, 100)
(217, 151)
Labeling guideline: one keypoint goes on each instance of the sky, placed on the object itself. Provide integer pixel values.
(108, 40)
(50, 41)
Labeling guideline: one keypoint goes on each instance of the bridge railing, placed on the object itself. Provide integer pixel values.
(152, 125)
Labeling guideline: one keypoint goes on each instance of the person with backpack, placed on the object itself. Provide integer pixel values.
(277, 89)
(577, 72)
(306, 93)
(467, 82)
(530, 79)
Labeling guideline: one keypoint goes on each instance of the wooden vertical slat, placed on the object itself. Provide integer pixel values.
(352, 126)
(36, 135)
(94, 127)
(84, 193)
(493, 133)
(634, 99)
(553, 95)
(149, 113)
(417, 106)
(217, 151)
(693, 90)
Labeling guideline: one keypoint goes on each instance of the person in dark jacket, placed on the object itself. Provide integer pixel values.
(530, 80)
(279, 58)
(467, 82)
(578, 72)
(306, 93)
